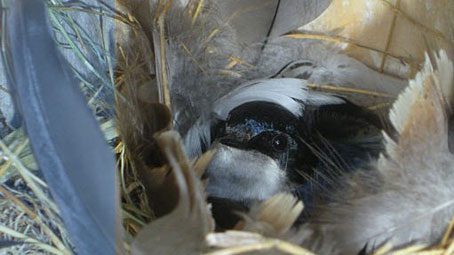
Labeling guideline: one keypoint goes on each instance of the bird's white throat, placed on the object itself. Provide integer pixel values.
(243, 175)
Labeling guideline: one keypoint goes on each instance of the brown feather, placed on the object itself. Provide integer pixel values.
(183, 230)
(273, 217)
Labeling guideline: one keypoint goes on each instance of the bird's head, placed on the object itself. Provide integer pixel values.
(261, 150)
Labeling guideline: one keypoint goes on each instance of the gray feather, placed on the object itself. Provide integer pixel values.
(320, 64)
(408, 195)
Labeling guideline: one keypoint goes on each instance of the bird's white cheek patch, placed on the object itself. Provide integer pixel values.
(243, 175)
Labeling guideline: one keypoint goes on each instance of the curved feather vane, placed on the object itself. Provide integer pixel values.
(66, 139)
(183, 230)
(420, 114)
(409, 195)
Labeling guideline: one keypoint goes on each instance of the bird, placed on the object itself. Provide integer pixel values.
(275, 135)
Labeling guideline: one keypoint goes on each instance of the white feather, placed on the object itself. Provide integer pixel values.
(445, 72)
(289, 93)
(403, 105)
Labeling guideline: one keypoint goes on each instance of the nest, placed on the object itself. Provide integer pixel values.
(29, 221)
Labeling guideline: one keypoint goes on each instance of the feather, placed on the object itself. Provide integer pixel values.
(273, 217)
(419, 115)
(191, 215)
(240, 242)
(320, 65)
(232, 238)
(137, 122)
(197, 55)
(408, 195)
(60, 125)
(388, 36)
(139, 115)
(197, 136)
(269, 18)
(202, 162)
(288, 93)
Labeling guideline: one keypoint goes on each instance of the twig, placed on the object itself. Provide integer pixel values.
(349, 90)
(379, 106)
(340, 39)
(409, 250)
(389, 39)
(163, 61)
(448, 233)
(198, 10)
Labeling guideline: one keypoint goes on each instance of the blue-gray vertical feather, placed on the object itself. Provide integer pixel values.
(68, 145)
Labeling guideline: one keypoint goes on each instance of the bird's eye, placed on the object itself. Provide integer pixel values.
(279, 142)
